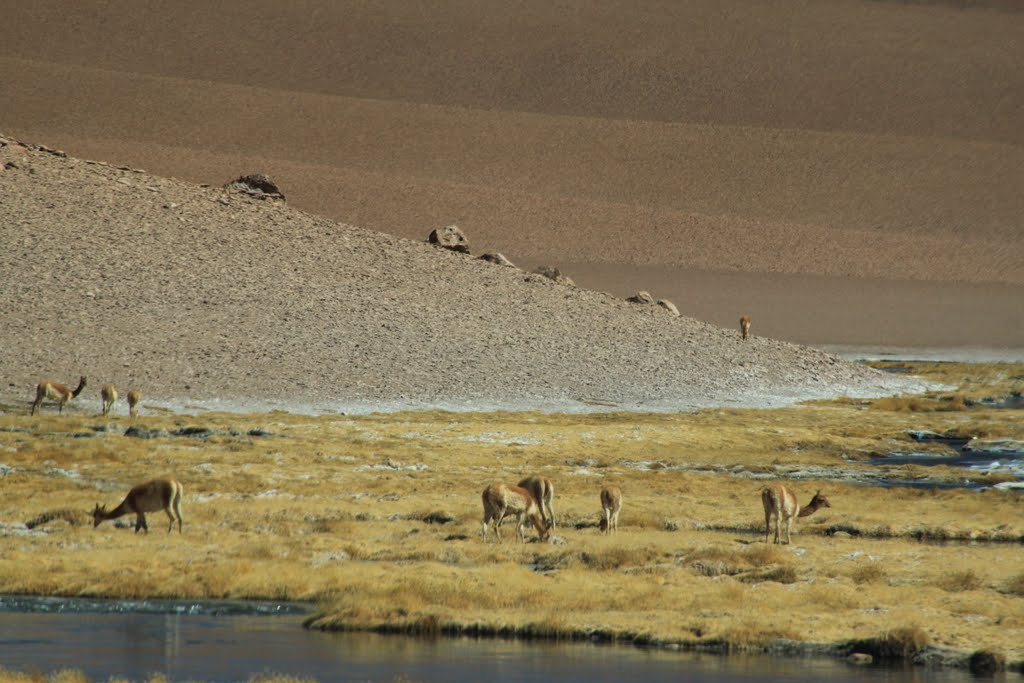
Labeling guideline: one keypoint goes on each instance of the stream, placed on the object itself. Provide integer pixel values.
(223, 641)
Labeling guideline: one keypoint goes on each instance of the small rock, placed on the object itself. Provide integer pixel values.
(552, 273)
(335, 556)
(860, 658)
(143, 433)
(986, 663)
(438, 518)
(256, 185)
(450, 237)
(668, 306)
(641, 298)
(498, 259)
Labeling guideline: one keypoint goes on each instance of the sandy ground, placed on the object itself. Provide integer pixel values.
(808, 164)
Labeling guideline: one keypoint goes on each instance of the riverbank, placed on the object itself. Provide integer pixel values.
(376, 519)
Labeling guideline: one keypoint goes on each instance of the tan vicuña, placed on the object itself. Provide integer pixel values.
(60, 393)
(543, 491)
(781, 505)
(502, 500)
(157, 494)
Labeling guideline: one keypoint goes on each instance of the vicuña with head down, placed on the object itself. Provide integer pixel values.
(108, 394)
(157, 494)
(133, 403)
(780, 502)
(59, 393)
(543, 491)
(611, 506)
(503, 500)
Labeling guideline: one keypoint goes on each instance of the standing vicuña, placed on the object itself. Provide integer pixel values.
(780, 502)
(543, 491)
(108, 394)
(157, 494)
(745, 326)
(56, 392)
(501, 500)
(611, 506)
(133, 403)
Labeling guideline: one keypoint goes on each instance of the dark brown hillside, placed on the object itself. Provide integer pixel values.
(203, 297)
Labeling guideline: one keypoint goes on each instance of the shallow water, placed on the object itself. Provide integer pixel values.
(983, 457)
(101, 639)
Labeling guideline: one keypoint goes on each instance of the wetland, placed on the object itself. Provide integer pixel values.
(373, 522)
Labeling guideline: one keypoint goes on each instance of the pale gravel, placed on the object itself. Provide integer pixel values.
(212, 300)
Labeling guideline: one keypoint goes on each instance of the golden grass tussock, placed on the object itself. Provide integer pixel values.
(872, 572)
(1015, 585)
(959, 581)
(920, 404)
(376, 520)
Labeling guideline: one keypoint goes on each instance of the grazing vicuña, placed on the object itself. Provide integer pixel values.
(133, 403)
(501, 500)
(611, 506)
(158, 494)
(543, 491)
(108, 394)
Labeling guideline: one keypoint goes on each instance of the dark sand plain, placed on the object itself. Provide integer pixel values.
(846, 172)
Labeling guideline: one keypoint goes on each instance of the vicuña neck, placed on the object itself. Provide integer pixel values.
(809, 509)
(119, 511)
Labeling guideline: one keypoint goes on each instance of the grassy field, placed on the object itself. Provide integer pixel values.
(376, 520)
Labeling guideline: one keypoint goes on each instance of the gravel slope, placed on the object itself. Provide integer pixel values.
(206, 298)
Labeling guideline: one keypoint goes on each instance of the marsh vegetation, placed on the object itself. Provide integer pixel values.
(376, 520)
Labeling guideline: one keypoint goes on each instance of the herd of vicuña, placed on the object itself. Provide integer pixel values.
(61, 394)
(528, 502)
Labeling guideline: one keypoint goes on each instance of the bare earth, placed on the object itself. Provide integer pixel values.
(846, 172)
(206, 298)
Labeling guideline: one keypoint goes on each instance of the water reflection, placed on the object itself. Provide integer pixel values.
(232, 648)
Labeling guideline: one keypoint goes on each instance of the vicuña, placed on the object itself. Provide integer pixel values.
(60, 393)
(134, 396)
(502, 500)
(745, 326)
(611, 506)
(108, 394)
(157, 494)
(780, 502)
(543, 491)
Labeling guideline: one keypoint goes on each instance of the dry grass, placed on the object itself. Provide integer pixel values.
(920, 404)
(959, 581)
(333, 510)
(872, 572)
(1015, 585)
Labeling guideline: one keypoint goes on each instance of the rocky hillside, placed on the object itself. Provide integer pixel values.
(207, 297)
